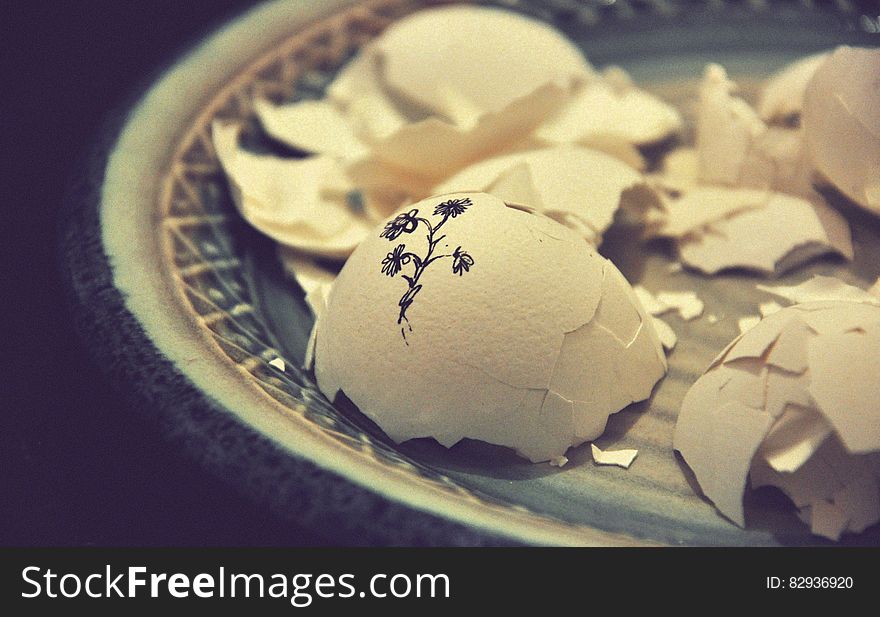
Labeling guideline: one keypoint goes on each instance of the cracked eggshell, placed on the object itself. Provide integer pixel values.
(822, 288)
(358, 91)
(577, 186)
(532, 346)
(300, 203)
(751, 235)
(726, 128)
(613, 107)
(424, 153)
(462, 62)
(841, 123)
(313, 126)
(783, 93)
(792, 403)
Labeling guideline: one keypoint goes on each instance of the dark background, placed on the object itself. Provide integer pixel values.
(78, 466)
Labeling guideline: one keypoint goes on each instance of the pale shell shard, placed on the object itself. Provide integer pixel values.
(686, 303)
(484, 353)
(562, 181)
(783, 93)
(821, 288)
(817, 449)
(748, 322)
(736, 148)
(424, 153)
(726, 128)
(301, 203)
(666, 334)
(619, 458)
(680, 171)
(611, 106)
(358, 91)
(429, 58)
(700, 207)
(841, 123)
(318, 127)
(852, 410)
(305, 270)
(753, 238)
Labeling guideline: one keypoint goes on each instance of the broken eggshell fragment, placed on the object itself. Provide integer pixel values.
(717, 228)
(300, 203)
(792, 402)
(610, 106)
(466, 318)
(782, 96)
(841, 123)
(429, 58)
(577, 186)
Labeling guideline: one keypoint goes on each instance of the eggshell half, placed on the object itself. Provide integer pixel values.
(516, 332)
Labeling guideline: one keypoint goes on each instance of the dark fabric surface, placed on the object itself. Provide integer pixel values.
(79, 467)
(103, 441)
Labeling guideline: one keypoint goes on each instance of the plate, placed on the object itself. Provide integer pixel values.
(191, 308)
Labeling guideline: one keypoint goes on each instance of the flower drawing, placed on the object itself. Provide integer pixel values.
(395, 260)
(461, 262)
(405, 223)
(452, 207)
(393, 263)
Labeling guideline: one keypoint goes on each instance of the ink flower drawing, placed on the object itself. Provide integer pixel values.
(394, 262)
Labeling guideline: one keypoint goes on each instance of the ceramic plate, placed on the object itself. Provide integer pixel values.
(189, 305)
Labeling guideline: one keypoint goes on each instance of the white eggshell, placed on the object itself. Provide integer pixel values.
(764, 232)
(611, 106)
(783, 93)
(464, 61)
(566, 183)
(318, 127)
(531, 345)
(726, 128)
(424, 153)
(369, 107)
(821, 288)
(793, 403)
(841, 123)
(300, 203)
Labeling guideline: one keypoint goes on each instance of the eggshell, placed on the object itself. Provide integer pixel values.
(726, 128)
(821, 288)
(841, 123)
(783, 93)
(359, 92)
(424, 153)
(611, 106)
(795, 397)
(300, 203)
(313, 126)
(620, 458)
(531, 345)
(465, 61)
(736, 148)
(305, 270)
(740, 228)
(569, 183)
